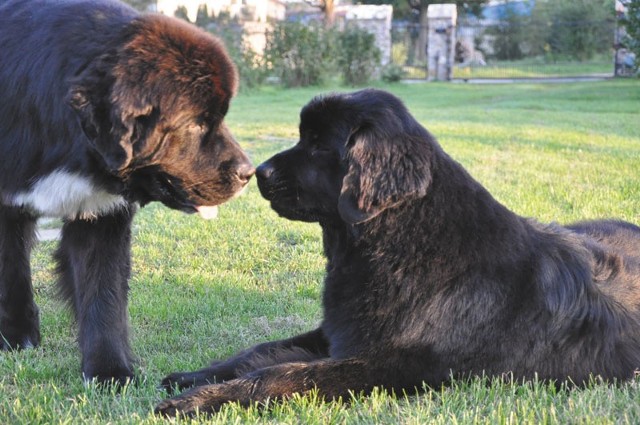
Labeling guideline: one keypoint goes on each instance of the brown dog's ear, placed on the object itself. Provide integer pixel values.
(110, 127)
(383, 171)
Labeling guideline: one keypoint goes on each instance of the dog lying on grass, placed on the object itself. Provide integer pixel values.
(428, 276)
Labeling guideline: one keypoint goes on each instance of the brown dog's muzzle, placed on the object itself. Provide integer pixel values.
(245, 171)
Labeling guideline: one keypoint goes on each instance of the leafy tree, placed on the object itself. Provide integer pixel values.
(141, 5)
(405, 9)
(182, 13)
(203, 18)
(631, 22)
(327, 7)
(464, 6)
(401, 8)
(576, 29)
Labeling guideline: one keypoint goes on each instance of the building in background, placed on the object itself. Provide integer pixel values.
(257, 16)
(249, 10)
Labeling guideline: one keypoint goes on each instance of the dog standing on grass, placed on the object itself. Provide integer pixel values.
(103, 109)
(427, 275)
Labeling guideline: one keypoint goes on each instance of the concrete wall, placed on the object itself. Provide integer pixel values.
(442, 19)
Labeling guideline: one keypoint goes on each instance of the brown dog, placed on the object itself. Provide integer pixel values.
(103, 109)
(428, 276)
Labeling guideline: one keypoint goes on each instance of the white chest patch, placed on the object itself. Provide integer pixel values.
(68, 195)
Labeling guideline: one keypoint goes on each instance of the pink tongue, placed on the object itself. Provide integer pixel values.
(207, 213)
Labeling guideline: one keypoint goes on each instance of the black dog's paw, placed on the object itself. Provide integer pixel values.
(176, 382)
(19, 343)
(180, 381)
(206, 399)
(112, 380)
(24, 336)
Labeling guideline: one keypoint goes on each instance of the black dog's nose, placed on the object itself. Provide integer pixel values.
(264, 171)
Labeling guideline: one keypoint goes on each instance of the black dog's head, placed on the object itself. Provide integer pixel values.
(152, 108)
(358, 155)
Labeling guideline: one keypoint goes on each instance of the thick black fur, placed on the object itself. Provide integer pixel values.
(427, 276)
(129, 109)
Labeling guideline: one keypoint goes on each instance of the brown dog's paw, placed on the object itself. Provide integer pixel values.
(173, 406)
(206, 399)
(169, 408)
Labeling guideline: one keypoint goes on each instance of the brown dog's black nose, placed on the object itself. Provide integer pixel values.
(264, 171)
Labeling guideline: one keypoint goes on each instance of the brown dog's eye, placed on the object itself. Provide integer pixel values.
(196, 129)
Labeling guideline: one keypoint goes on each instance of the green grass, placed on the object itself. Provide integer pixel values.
(525, 68)
(536, 68)
(203, 290)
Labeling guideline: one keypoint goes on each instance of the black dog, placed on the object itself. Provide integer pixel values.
(428, 276)
(101, 109)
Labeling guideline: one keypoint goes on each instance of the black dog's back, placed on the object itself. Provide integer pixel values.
(615, 246)
(617, 234)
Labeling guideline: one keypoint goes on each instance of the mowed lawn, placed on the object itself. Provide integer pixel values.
(202, 290)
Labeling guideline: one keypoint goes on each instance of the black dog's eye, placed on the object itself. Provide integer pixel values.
(319, 149)
(315, 144)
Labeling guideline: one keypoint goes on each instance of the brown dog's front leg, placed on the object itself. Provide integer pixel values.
(19, 318)
(331, 378)
(94, 266)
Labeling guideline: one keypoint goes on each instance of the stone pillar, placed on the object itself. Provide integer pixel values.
(441, 44)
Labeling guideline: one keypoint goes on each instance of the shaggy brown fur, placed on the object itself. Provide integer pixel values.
(103, 109)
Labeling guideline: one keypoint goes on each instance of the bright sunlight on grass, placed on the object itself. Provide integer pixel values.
(203, 290)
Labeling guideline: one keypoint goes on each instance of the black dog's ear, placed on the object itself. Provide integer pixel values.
(383, 171)
(107, 119)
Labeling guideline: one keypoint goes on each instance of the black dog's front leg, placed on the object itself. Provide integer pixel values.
(19, 321)
(305, 347)
(331, 378)
(94, 265)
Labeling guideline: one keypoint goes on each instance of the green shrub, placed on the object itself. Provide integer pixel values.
(300, 55)
(252, 69)
(251, 66)
(632, 24)
(392, 73)
(358, 57)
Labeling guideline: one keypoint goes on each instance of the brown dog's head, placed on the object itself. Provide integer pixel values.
(152, 108)
(358, 155)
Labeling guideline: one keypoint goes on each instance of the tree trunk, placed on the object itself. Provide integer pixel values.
(421, 48)
(328, 12)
